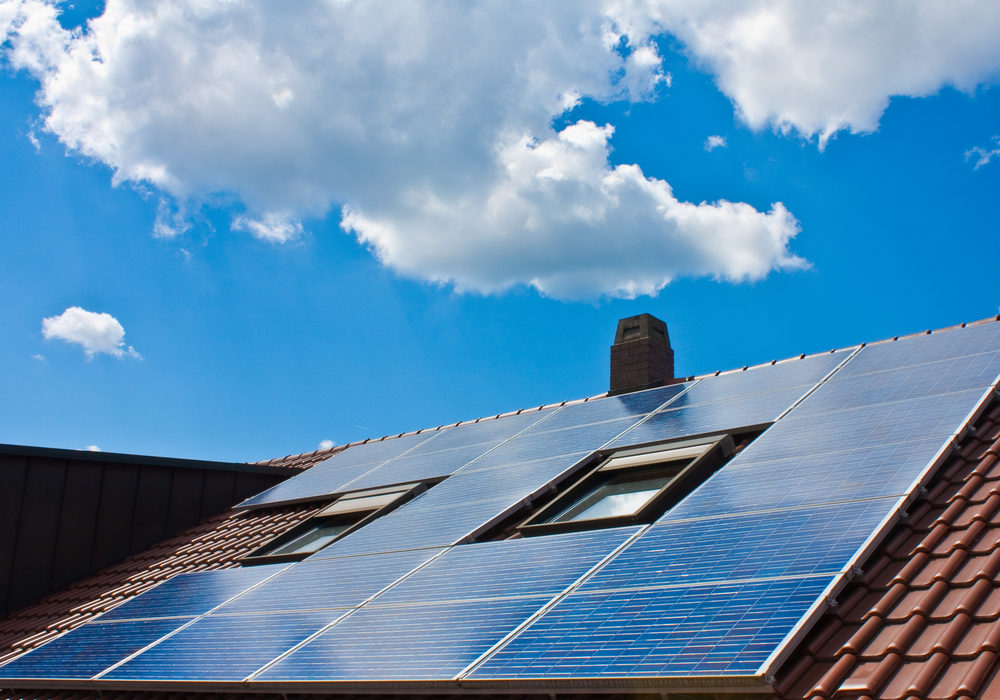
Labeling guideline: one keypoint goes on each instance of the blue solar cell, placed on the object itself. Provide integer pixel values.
(714, 630)
(927, 379)
(192, 594)
(710, 418)
(223, 647)
(537, 444)
(514, 481)
(332, 475)
(785, 543)
(328, 583)
(412, 528)
(925, 348)
(404, 642)
(456, 507)
(449, 451)
(871, 472)
(927, 418)
(611, 408)
(88, 650)
(532, 566)
(762, 380)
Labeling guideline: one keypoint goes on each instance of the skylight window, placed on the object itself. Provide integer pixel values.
(631, 486)
(349, 512)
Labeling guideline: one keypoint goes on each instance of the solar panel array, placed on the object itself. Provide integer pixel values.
(716, 587)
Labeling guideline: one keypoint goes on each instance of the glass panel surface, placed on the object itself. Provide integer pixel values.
(362, 502)
(620, 495)
(311, 540)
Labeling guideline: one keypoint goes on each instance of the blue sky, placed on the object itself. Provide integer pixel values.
(445, 218)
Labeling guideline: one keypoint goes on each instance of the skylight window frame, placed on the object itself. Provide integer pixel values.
(329, 515)
(606, 465)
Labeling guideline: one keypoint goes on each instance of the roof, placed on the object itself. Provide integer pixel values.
(939, 555)
(924, 619)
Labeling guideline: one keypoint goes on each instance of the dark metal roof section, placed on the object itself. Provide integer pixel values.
(64, 514)
(641, 357)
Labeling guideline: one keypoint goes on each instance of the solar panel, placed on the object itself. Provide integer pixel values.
(88, 650)
(223, 647)
(710, 418)
(525, 567)
(870, 427)
(328, 583)
(537, 443)
(449, 452)
(748, 485)
(448, 512)
(412, 528)
(915, 381)
(612, 408)
(333, 474)
(708, 630)
(763, 380)
(798, 542)
(408, 642)
(192, 594)
(925, 348)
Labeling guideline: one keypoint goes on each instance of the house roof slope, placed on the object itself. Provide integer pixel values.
(913, 393)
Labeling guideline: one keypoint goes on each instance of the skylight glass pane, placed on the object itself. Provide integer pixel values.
(622, 495)
(353, 505)
(312, 540)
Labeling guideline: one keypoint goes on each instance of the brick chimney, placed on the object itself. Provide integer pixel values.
(641, 357)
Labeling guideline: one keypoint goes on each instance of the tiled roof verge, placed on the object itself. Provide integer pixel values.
(218, 542)
(923, 620)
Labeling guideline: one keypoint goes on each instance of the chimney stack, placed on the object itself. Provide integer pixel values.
(641, 357)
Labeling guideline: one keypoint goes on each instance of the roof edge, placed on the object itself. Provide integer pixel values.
(146, 460)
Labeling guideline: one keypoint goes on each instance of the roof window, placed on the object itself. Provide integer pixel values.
(346, 514)
(630, 486)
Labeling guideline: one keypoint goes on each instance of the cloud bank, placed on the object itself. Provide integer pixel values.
(430, 127)
(817, 68)
(96, 333)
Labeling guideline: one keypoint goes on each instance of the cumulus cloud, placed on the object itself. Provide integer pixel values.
(430, 126)
(93, 448)
(559, 208)
(820, 67)
(715, 141)
(983, 156)
(95, 332)
(326, 444)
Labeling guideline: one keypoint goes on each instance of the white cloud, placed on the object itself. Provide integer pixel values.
(94, 332)
(93, 448)
(431, 125)
(39, 357)
(326, 444)
(820, 67)
(273, 227)
(558, 209)
(983, 156)
(715, 141)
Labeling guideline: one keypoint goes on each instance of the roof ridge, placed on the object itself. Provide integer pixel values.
(320, 454)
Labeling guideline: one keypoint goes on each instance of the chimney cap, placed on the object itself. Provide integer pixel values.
(641, 327)
(641, 357)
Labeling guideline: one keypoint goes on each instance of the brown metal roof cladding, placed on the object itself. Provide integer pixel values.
(215, 543)
(923, 621)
